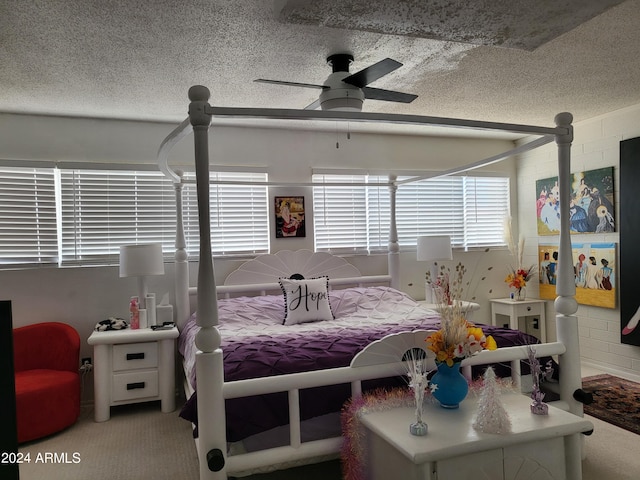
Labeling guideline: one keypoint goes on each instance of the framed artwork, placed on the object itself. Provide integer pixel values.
(594, 269)
(289, 217)
(629, 240)
(591, 208)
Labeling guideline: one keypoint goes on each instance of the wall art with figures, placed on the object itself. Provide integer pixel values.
(592, 207)
(594, 271)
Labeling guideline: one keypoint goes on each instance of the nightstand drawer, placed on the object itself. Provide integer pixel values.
(133, 356)
(129, 386)
(526, 310)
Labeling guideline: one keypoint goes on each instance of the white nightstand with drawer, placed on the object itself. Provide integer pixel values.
(132, 366)
(516, 309)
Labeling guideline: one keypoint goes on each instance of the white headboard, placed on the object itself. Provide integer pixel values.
(260, 275)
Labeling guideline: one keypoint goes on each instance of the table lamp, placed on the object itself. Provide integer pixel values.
(141, 261)
(431, 249)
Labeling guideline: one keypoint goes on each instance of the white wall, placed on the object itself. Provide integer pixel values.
(83, 296)
(595, 145)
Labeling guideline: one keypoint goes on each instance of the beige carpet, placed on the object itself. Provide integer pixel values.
(140, 442)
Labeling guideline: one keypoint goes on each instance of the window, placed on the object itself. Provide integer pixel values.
(239, 214)
(103, 209)
(28, 231)
(352, 212)
(80, 216)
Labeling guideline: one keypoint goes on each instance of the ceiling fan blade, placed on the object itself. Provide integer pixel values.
(388, 95)
(372, 73)
(291, 84)
(313, 105)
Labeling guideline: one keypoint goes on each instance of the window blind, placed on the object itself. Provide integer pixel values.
(239, 214)
(28, 230)
(103, 209)
(357, 218)
(349, 219)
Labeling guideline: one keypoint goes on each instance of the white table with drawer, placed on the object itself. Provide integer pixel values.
(544, 447)
(516, 309)
(132, 366)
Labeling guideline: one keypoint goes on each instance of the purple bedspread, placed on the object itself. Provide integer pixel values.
(265, 348)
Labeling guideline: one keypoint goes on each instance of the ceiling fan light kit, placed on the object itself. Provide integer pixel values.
(341, 95)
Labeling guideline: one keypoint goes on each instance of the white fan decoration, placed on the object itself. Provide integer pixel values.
(269, 268)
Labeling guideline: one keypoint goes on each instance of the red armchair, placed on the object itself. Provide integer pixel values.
(46, 360)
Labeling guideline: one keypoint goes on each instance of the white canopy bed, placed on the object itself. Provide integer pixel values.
(215, 463)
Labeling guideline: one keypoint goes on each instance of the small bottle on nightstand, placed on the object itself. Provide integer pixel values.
(134, 314)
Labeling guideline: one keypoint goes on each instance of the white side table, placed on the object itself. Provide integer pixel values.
(515, 309)
(132, 366)
(545, 446)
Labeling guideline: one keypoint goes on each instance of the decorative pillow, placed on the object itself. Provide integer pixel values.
(306, 300)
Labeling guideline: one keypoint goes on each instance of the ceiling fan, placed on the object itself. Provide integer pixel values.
(345, 91)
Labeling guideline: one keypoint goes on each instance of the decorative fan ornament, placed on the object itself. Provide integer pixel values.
(285, 263)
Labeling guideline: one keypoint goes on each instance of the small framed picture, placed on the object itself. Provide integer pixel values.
(289, 217)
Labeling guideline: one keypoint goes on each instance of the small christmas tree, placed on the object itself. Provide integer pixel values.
(492, 416)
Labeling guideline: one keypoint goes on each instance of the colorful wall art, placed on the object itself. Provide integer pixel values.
(591, 209)
(289, 217)
(594, 269)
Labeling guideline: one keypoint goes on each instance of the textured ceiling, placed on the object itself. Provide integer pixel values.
(136, 60)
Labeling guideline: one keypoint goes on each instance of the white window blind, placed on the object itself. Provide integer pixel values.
(81, 216)
(28, 232)
(239, 214)
(470, 209)
(349, 218)
(486, 202)
(103, 209)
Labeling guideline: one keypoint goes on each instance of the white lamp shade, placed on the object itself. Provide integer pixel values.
(434, 247)
(141, 260)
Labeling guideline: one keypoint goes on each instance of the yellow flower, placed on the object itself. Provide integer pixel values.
(491, 343)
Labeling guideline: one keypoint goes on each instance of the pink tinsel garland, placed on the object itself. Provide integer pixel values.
(354, 454)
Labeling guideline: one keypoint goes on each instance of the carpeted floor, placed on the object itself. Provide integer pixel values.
(615, 400)
(140, 442)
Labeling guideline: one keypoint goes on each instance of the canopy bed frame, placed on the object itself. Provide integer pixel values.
(215, 464)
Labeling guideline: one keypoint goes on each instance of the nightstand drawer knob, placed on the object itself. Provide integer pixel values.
(134, 386)
(135, 356)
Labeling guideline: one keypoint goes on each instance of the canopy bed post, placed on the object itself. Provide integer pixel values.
(211, 413)
(394, 247)
(181, 258)
(565, 304)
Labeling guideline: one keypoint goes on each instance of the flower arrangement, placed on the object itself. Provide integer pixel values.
(457, 338)
(519, 275)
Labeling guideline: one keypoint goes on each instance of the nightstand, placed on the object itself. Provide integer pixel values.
(515, 309)
(132, 366)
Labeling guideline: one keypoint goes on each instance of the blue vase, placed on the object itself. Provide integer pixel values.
(451, 385)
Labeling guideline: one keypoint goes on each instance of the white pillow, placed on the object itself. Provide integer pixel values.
(306, 300)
